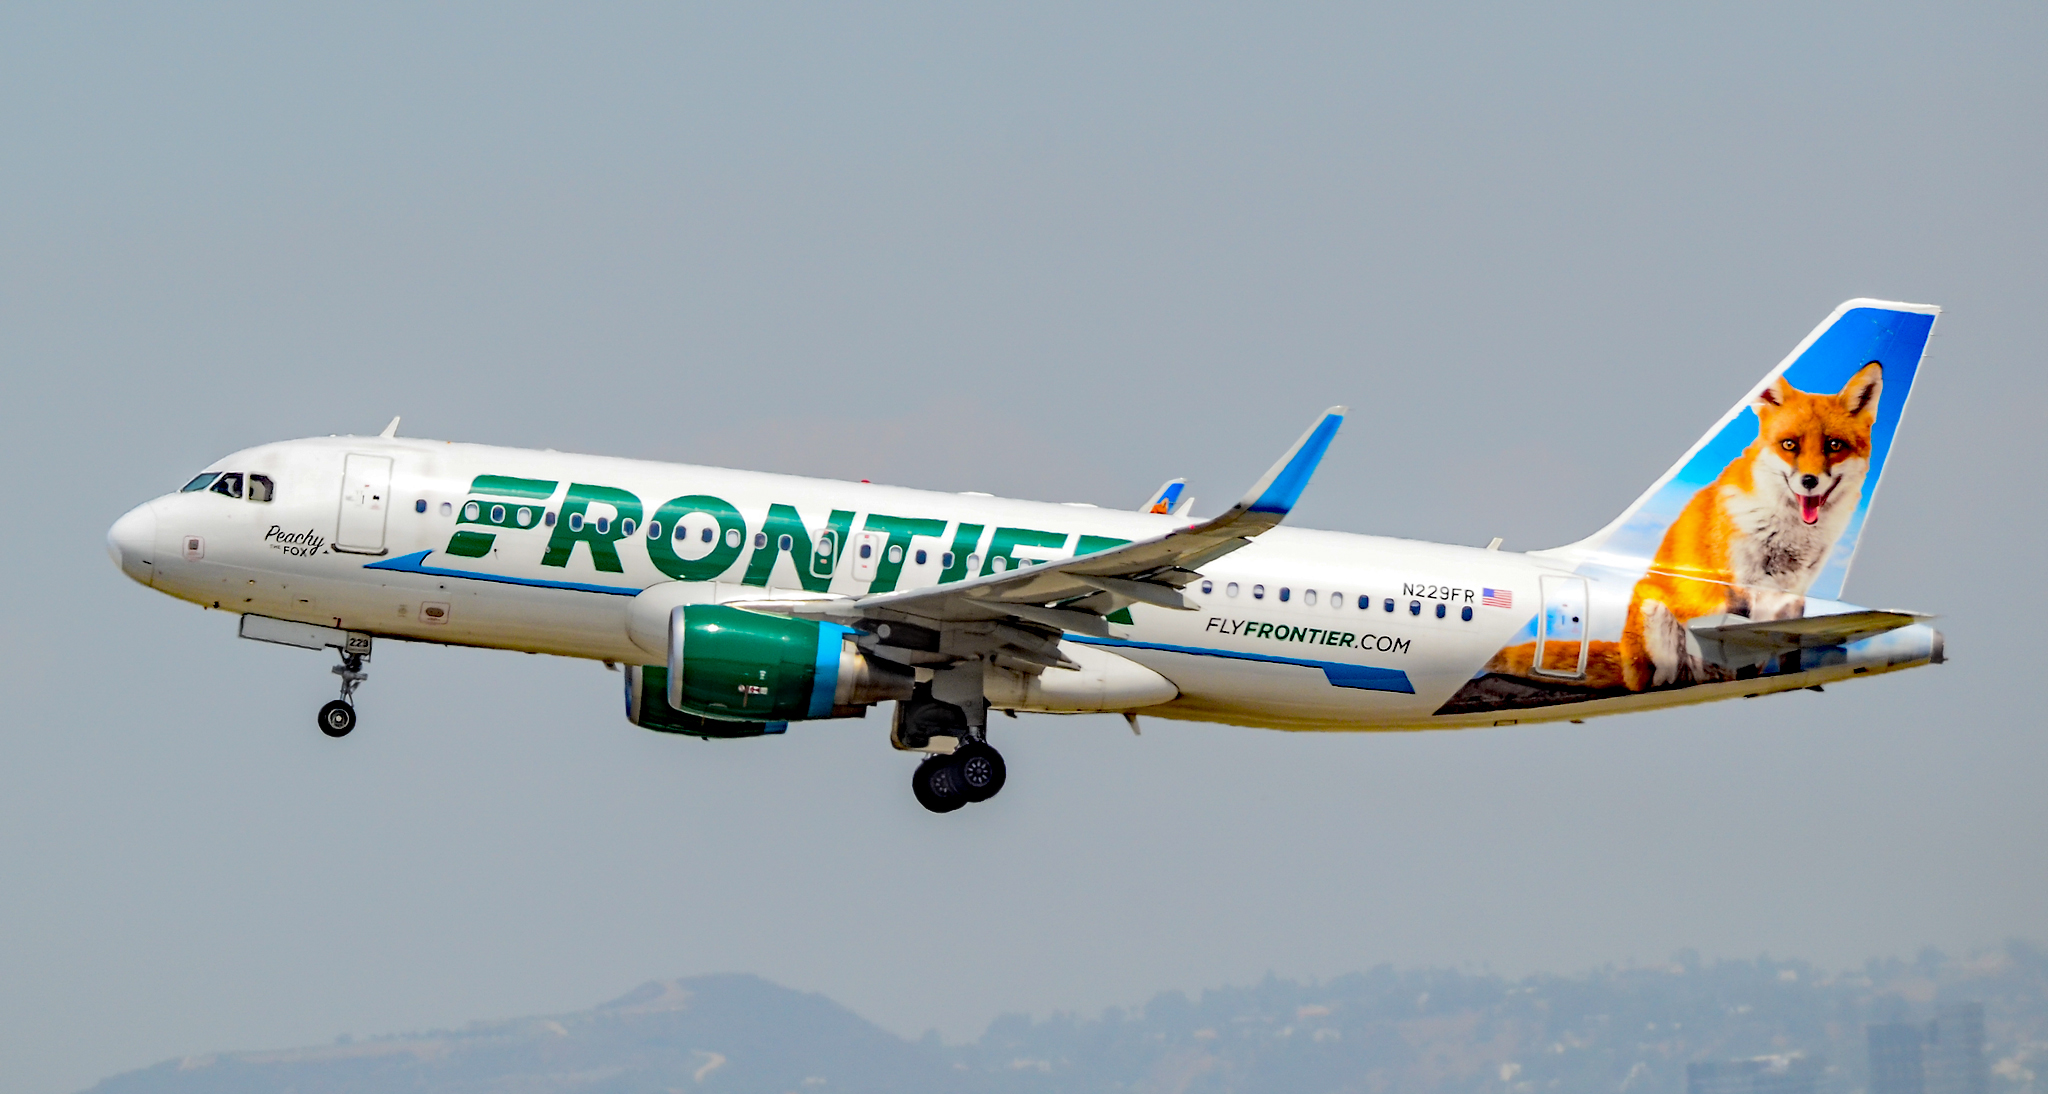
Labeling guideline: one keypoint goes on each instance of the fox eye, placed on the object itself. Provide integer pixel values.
(1789, 445)
(1836, 444)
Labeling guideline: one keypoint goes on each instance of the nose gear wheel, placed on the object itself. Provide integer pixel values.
(338, 717)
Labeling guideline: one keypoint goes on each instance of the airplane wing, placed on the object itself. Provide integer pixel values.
(1734, 641)
(1026, 609)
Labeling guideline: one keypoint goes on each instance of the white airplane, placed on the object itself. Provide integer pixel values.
(737, 602)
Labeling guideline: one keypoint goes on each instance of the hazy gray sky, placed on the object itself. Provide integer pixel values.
(1059, 252)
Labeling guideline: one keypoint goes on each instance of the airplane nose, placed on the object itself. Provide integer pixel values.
(132, 542)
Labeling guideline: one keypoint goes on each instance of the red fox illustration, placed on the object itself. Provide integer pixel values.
(1751, 542)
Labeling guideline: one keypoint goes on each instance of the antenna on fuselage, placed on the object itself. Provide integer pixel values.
(391, 430)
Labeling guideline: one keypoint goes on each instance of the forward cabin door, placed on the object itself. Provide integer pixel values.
(1561, 628)
(365, 502)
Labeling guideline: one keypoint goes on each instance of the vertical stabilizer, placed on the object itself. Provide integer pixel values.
(1793, 466)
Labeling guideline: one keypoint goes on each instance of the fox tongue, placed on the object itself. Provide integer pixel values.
(1809, 507)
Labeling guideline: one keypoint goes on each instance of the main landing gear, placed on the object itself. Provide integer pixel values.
(338, 717)
(972, 771)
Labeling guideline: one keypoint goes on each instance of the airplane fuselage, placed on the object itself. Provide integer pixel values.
(549, 552)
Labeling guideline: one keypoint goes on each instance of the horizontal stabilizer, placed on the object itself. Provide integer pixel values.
(1735, 641)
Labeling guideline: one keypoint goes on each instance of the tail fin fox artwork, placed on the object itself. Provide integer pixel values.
(1755, 525)
(1751, 542)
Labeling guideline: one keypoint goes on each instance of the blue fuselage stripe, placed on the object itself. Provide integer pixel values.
(413, 564)
(1339, 674)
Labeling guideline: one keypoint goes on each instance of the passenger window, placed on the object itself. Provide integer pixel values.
(575, 520)
(973, 563)
(1390, 603)
(1439, 611)
(1285, 592)
(547, 518)
(1230, 589)
(625, 526)
(420, 506)
(732, 537)
(525, 517)
(921, 556)
(1208, 586)
(867, 550)
(706, 537)
(1465, 613)
(760, 540)
(785, 543)
(895, 553)
(1415, 607)
(448, 509)
(498, 517)
(1336, 600)
(653, 529)
(1258, 592)
(470, 511)
(604, 525)
(201, 482)
(262, 489)
(946, 560)
(1364, 602)
(230, 483)
(1308, 597)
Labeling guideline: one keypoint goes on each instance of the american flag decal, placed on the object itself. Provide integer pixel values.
(1497, 598)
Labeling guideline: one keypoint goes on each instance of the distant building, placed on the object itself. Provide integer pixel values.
(1895, 1066)
(1762, 1075)
(1945, 1056)
(1953, 1056)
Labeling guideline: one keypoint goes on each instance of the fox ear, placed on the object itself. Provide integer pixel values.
(1859, 395)
(1772, 396)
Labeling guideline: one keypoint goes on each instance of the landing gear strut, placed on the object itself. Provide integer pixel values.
(339, 715)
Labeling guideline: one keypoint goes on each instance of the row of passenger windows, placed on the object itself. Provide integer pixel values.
(230, 483)
(524, 517)
(1337, 600)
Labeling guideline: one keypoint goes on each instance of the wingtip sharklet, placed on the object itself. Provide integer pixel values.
(1282, 485)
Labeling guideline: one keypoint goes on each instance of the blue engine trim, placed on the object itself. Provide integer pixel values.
(414, 564)
(825, 676)
(1338, 673)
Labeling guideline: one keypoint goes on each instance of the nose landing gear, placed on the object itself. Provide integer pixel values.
(338, 717)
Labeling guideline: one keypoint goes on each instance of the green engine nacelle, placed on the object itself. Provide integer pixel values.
(647, 707)
(738, 673)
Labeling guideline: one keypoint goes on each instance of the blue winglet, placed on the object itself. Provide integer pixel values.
(1282, 486)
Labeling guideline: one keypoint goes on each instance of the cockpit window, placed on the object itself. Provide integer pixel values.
(200, 483)
(230, 483)
(261, 488)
